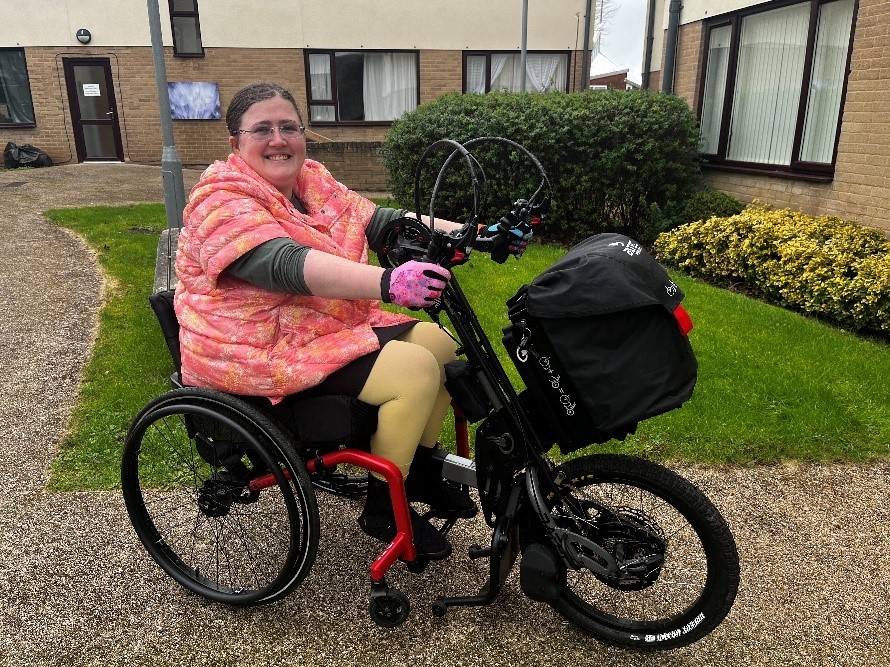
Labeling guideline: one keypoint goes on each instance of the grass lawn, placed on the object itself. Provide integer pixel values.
(772, 386)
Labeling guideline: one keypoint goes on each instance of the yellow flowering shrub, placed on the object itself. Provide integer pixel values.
(823, 266)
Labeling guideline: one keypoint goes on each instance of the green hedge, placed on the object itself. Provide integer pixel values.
(617, 161)
(710, 203)
(822, 266)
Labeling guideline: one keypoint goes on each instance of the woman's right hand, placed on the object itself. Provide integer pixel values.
(413, 284)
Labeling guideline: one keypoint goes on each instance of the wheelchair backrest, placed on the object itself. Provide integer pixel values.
(162, 305)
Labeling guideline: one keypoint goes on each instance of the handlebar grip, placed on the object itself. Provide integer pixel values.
(500, 250)
(434, 249)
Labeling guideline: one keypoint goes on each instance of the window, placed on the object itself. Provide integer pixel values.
(486, 72)
(361, 86)
(16, 107)
(186, 28)
(773, 85)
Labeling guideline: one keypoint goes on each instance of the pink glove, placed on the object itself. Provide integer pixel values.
(413, 284)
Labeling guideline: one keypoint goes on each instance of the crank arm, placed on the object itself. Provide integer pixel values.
(641, 565)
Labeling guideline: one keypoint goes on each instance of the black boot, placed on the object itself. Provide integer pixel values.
(378, 521)
(426, 485)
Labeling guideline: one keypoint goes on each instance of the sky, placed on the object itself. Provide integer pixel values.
(623, 37)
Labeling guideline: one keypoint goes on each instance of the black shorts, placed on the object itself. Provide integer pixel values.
(350, 379)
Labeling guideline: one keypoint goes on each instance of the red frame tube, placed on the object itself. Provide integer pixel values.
(461, 435)
(403, 543)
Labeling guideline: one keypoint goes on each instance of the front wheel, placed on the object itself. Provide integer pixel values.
(677, 563)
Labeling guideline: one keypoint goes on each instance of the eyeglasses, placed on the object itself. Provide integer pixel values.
(265, 132)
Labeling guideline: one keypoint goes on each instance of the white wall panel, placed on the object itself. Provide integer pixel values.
(337, 24)
(696, 10)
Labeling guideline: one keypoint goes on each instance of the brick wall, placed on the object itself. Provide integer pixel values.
(132, 71)
(613, 81)
(440, 72)
(860, 190)
(355, 163)
(53, 131)
(689, 57)
(199, 142)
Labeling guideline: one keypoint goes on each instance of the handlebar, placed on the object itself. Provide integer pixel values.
(498, 240)
(408, 238)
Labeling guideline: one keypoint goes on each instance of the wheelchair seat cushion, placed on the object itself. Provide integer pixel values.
(328, 421)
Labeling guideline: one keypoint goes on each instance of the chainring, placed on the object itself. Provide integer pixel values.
(638, 545)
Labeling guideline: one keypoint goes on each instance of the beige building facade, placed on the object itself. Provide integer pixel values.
(791, 96)
(78, 80)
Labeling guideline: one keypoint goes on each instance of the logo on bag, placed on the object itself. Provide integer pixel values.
(672, 289)
(522, 349)
(632, 248)
(564, 399)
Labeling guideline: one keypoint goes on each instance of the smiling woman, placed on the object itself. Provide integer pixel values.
(276, 298)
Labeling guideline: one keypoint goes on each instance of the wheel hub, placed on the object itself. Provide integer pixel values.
(638, 545)
(216, 495)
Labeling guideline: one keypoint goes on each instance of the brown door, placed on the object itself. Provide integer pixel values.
(97, 132)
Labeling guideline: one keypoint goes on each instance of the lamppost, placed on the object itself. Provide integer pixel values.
(171, 165)
(524, 48)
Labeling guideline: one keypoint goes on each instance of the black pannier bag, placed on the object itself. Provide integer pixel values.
(599, 339)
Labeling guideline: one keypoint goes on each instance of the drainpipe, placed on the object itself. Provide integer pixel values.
(650, 39)
(670, 50)
(585, 59)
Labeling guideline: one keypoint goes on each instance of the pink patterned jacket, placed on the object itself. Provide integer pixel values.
(246, 340)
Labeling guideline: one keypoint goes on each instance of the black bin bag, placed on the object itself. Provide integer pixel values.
(599, 339)
(25, 155)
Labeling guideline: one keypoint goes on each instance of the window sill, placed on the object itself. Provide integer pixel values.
(773, 173)
(18, 126)
(352, 123)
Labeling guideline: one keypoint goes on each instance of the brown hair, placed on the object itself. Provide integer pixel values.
(250, 95)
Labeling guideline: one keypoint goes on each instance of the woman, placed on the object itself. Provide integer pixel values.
(276, 297)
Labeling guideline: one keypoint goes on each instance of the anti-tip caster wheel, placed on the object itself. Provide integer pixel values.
(439, 609)
(389, 607)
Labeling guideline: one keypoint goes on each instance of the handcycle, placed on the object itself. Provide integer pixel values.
(221, 489)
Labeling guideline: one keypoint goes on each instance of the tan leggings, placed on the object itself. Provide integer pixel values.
(408, 383)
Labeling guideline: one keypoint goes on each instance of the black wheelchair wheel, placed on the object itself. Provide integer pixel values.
(678, 563)
(219, 498)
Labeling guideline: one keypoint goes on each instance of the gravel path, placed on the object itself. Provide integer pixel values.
(76, 588)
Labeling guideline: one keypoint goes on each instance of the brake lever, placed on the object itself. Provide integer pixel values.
(449, 249)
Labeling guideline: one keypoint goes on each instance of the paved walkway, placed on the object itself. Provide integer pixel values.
(76, 588)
